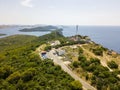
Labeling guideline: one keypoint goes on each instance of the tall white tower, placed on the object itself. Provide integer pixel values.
(77, 28)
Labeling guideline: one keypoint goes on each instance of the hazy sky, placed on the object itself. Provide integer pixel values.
(64, 12)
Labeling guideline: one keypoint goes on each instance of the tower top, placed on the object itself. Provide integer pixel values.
(77, 27)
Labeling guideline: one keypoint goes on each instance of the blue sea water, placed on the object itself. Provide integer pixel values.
(108, 36)
(15, 30)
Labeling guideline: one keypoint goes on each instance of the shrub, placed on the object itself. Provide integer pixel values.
(13, 78)
(28, 74)
(112, 65)
(80, 50)
(76, 85)
(91, 68)
(112, 79)
(95, 60)
(47, 48)
(75, 64)
(5, 71)
(98, 51)
(82, 58)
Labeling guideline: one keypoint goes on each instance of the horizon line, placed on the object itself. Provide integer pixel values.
(52, 24)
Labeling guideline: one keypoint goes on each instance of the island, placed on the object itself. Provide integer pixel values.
(4, 26)
(40, 29)
(2, 34)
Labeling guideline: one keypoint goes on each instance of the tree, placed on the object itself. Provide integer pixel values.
(13, 78)
(76, 85)
(2, 58)
(98, 51)
(80, 50)
(95, 60)
(87, 77)
(112, 79)
(76, 64)
(112, 65)
(28, 74)
(5, 71)
(82, 58)
(47, 48)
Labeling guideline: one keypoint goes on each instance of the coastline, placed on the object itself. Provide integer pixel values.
(104, 35)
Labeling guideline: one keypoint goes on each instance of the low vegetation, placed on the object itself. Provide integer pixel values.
(98, 50)
(113, 64)
(76, 85)
(95, 73)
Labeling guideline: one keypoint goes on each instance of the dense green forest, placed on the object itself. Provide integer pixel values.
(22, 69)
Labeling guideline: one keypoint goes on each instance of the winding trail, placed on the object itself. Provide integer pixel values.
(102, 59)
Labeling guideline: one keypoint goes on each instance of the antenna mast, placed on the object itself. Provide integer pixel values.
(77, 27)
(76, 30)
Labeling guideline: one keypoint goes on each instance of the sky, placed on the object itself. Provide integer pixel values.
(60, 12)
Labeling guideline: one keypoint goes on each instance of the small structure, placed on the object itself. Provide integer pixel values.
(67, 62)
(54, 43)
(60, 52)
(43, 55)
(73, 38)
(54, 51)
(111, 52)
(73, 46)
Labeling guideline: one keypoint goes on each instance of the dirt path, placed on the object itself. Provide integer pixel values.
(103, 60)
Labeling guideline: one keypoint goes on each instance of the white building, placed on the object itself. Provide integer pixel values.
(60, 52)
(54, 43)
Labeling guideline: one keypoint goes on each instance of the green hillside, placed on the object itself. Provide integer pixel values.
(22, 69)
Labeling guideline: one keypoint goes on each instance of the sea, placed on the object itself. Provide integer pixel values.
(108, 36)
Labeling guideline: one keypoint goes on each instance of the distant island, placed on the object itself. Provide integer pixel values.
(4, 26)
(41, 29)
(2, 34)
